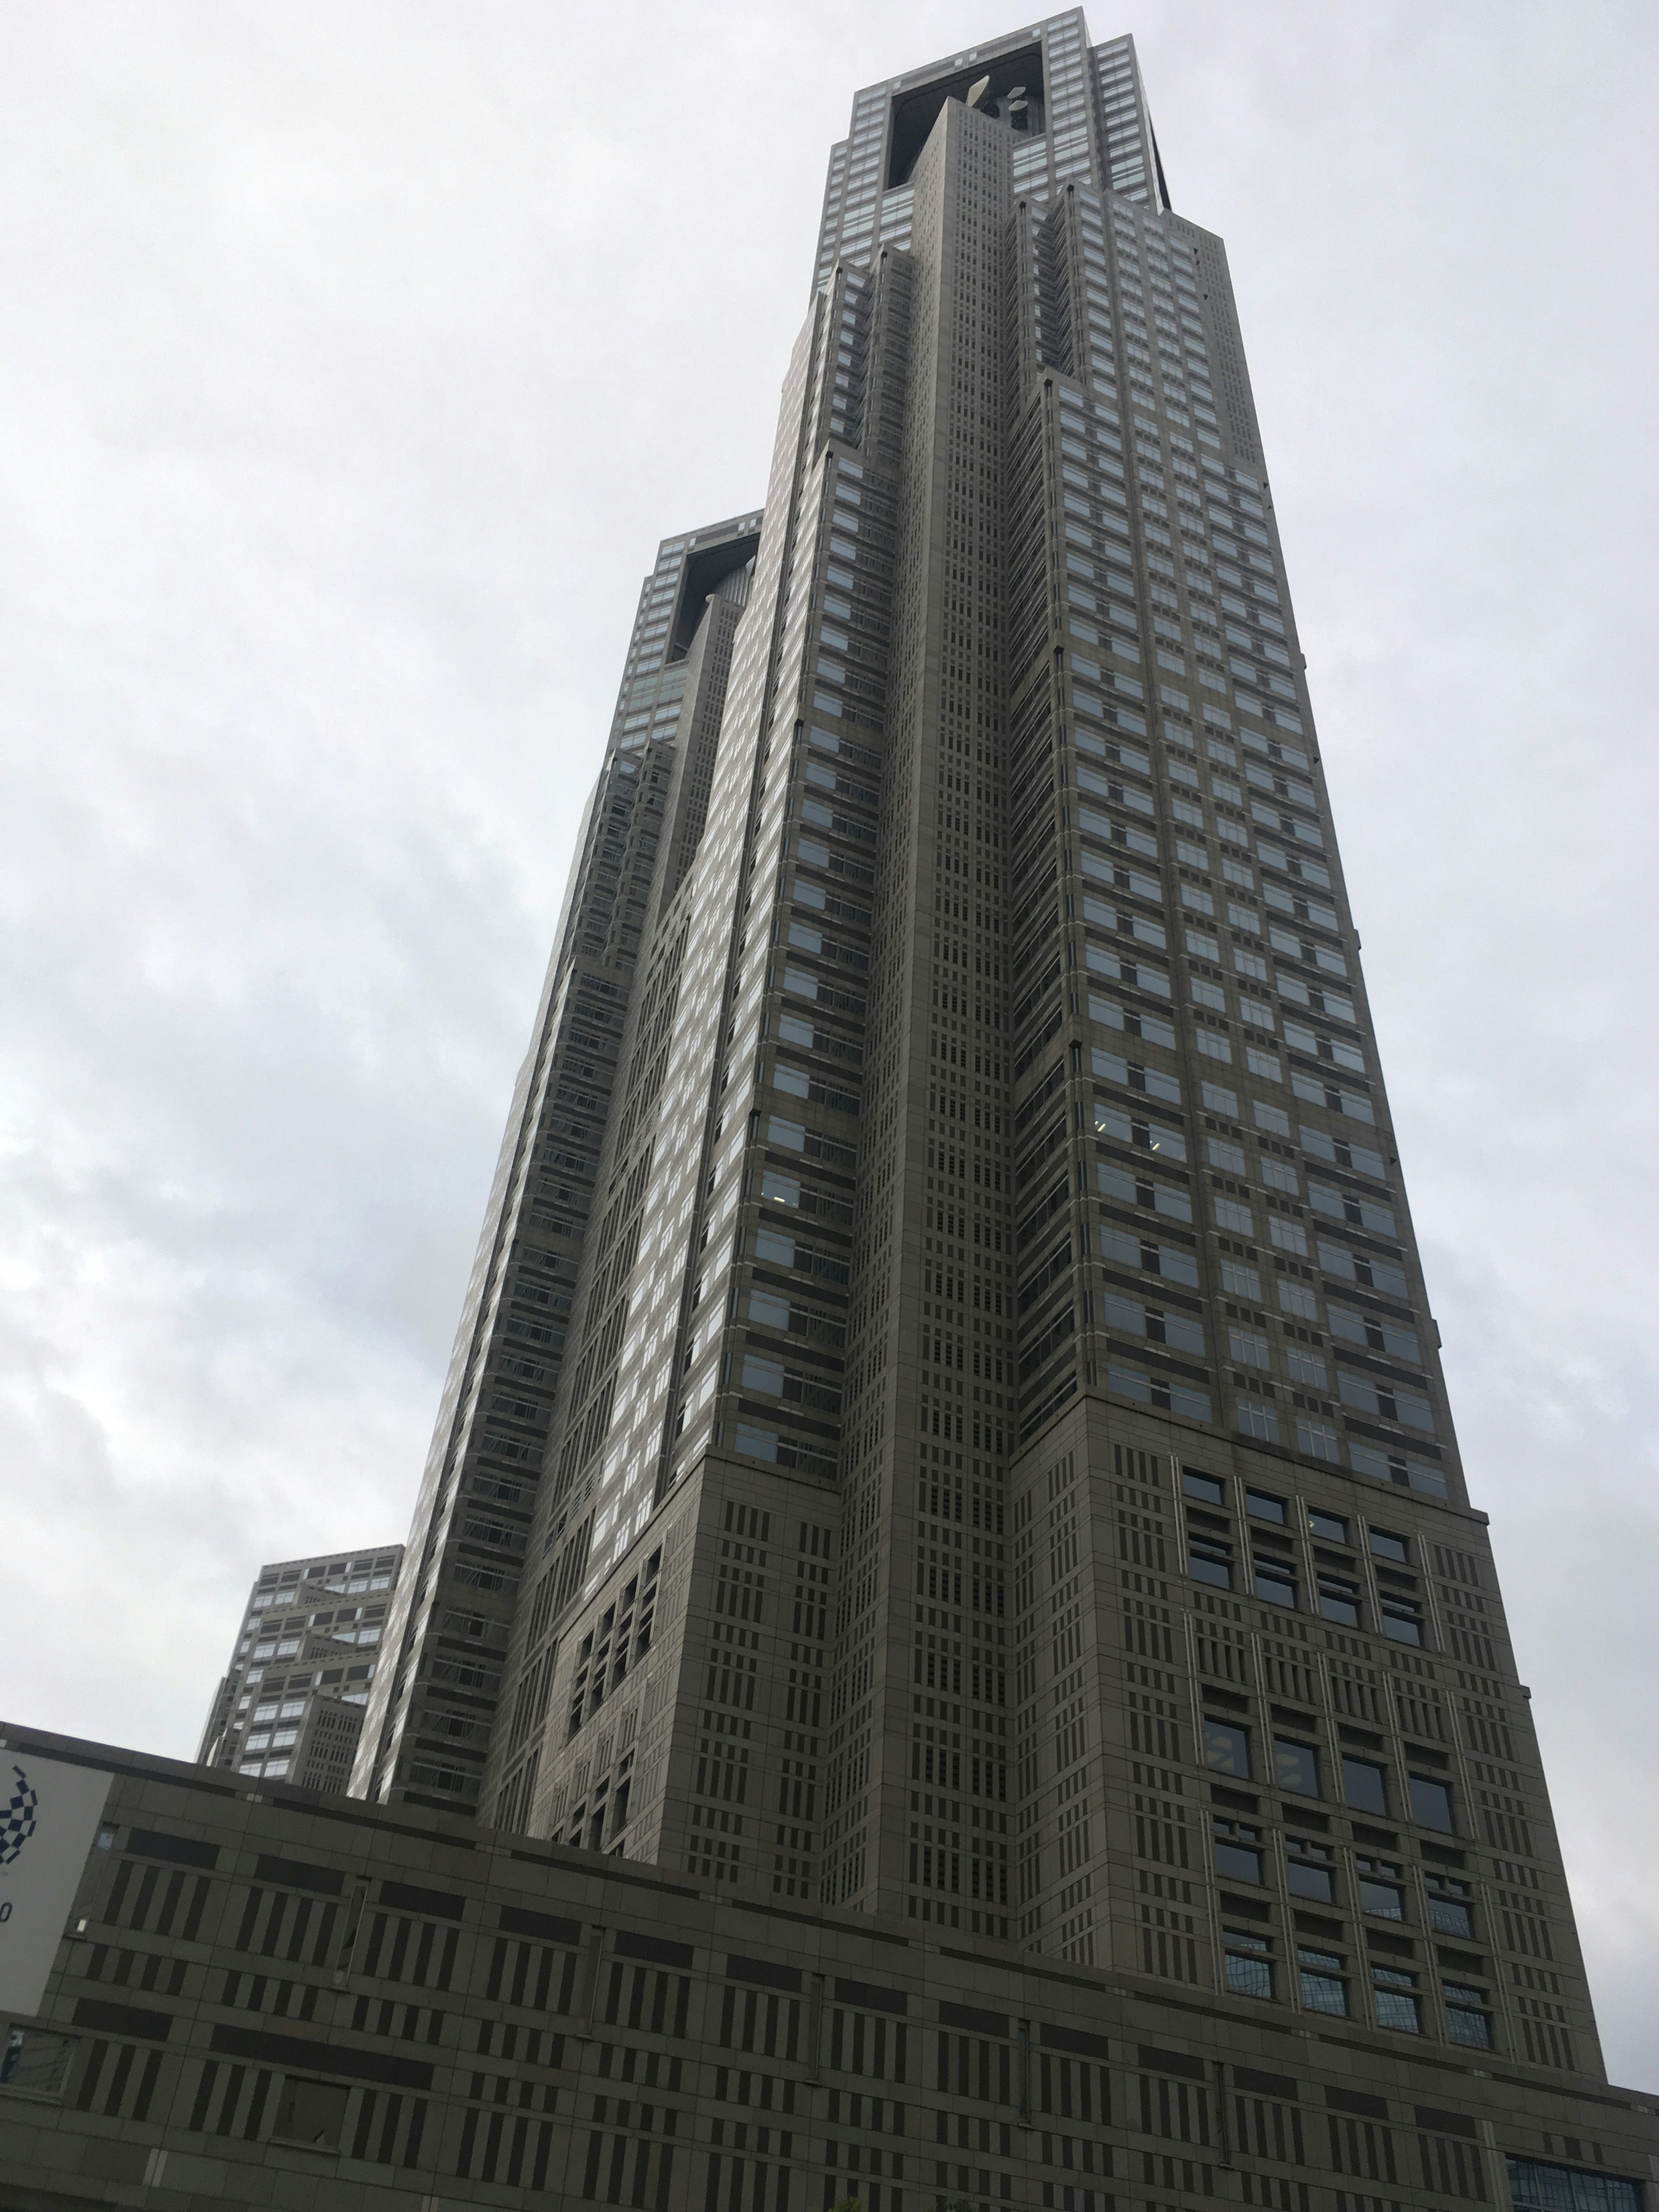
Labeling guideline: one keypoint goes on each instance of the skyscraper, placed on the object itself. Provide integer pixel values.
(947, 1418)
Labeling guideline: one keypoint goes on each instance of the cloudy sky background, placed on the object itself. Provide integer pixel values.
(353, 359)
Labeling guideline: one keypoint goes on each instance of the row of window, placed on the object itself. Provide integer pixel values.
(1337, 1587)
(1311, 1868)
(1296, 1768)
(1337, 1596)
(1325, 1984)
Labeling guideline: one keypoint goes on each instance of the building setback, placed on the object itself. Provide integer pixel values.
(944, 1652)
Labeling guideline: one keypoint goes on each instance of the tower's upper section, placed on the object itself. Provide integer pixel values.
(1075, 111)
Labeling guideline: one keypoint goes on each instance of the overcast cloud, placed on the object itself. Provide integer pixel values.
(355, 358)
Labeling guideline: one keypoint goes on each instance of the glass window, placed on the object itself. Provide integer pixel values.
(1239, 1861)
(34, 2060)
(1331, 1525)
(1536, 2187)
(1386, 1546)
(1296, 1767)
(1323, 1987)
(1237, 1850)
(1274, 1583)
(1402, 1620)
(1431, 1806)
(1397, 2003)
(1263, 1507)
(1339, 1600)
(1226, 1748)
(1317, 1439)
(1249, 1969)
(1308, 1869)
(1450, 1910)
(769, 1244)
(1380, 1892)
(1210, 1562)
(1364, 1786)
(1203, 1486)
(1468, 2020)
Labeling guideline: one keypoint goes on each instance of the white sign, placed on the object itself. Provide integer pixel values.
(49, 1816)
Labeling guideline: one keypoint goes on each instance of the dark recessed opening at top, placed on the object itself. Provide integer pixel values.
(1015, 92)
(705, 572)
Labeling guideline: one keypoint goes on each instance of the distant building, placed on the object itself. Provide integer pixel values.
(290, 1705)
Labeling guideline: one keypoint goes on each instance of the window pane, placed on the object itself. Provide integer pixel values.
(1275, 1587)
(1384, 1899)
(1324, 1993)
(1447, 1918)
(1396, 2009)
(1430, 1803)
(1265, 1507)
(1536, 2187)
(1238, 1860)
(1473, 2028)
(1312, 1881)
(1249, 1977)
(1363, 1786)
(1296, 1767)
(1226, 1748)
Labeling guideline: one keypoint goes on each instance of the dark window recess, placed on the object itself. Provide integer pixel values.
(176, 1851)
(436, 1904)
(515, 1920)
(765, 1972)
(870, 1998)
(657, 1949)
(122, 2020)
(292, 1874)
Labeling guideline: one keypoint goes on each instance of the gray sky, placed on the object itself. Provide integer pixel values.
(354, 357)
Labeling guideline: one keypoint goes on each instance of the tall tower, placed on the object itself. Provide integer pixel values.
(948, 1420)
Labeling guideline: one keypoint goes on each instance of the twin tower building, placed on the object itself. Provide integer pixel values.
(945, 1653)
(947, 1419)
